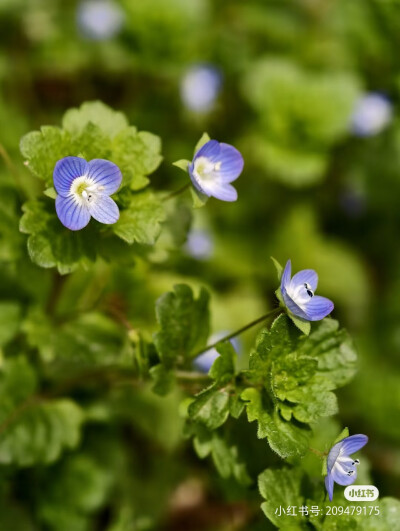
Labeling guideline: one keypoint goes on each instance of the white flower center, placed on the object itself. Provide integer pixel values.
(204, 169)
(85, 190)
(301, 294)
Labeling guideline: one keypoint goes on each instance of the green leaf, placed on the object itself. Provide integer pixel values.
(141, 221)
(285, 438)
(138, 154)
(198, 199)
(42, 149)
(278, 267)
(223, 368)
(203, 140)
(10, 320)
(281, 489)
(298, 372)
(39, 432)
(183, 322)
(182, 164)
(163, 380)
(109, 122)
(50, 244)
(224, 454)
(210, 407)
(303, 325)
(73, 491)
(50, 192)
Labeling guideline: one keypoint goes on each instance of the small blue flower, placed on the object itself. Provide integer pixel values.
(199, 88)
(83, 191)
(204, 362)
(199, 244)
(298, 294)
(100, 19)
(371, 115)
(341, 467)
(214, 167)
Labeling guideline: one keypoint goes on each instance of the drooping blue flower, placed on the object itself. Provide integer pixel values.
(99, 19)
(199, 244)
(371, 115)
(204, 362)
(199, 87)
(214, 166)
(83, 190)
(342, 469)
(298, 294)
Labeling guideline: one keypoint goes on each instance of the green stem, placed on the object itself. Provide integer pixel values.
(321, 455)
(237, 332)
(177, 192)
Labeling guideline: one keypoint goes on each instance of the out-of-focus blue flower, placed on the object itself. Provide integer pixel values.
(100, 19)
(298, 294)
(83, 190)
(199, 244)
(204, 362)
(199, 88)
(341, 467)
(214, 167)
(371, 115)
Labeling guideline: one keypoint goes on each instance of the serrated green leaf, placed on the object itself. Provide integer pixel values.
(281, 489)
(182, 164)
(285, 438)
(141, 221)
(183, 322)
(42, 149)
(109, 122)
(50, 244)
(223, 368)
(137, 154)
(40, 432)
(203, 140)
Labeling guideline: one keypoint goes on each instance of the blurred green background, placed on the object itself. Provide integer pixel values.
(285, 82)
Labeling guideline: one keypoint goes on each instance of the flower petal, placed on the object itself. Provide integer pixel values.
(352, 444)
(308, 276)
(329, 484)
(210, 149)
(318, 308)
(106, 174)
(231, 163)
(104, 209)
(287, 272)
(224, 192)
(72, 215)
(292, 306)
(340, 475)
(65, 171)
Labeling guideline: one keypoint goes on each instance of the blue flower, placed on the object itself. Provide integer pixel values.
(199, 88)
(214, 167)
(83, 191)
(199, 244)
(298, 295)
(204, 362)
(341, 467)
(100, 19)
(371, 115)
